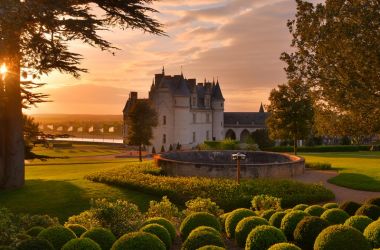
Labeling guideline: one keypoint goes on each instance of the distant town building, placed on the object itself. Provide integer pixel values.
(191, 113)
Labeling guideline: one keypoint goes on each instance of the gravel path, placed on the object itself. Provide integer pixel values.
(341, 193)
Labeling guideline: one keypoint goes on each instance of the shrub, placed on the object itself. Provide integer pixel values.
(372, 211)
(77, 229)
(101, 236)
(335, 216)
(245, 226)
(276, 218)
(290, 221)
(211, 247)
(318, 165)
(9, 248)
(222, 219)
(373, 201)
(372, 233)
(360, 222)
(350, 207)
(267, 213)
(198, 219)
(340, 237)
(34, 231)
(160, 232)
(57, 236)
(202, 236)
(138, 241)
(34, 244)
(234, 218)
(307, 231)
(284, 246)
(29, 221)
(165, 209)
(300, 207)
(81, 244)
(265, 202)
(202, 205)
(331, 205)
(262, 237)
(165, 223)
(315, 210)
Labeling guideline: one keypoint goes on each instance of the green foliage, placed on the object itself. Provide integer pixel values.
(321, 149)
(331, 205)
(372, 233)
(211, 247)
(195, 220)
(202, 205)
(372, 211)
(307, 231)
(82, 244)
(34, 244)
(340, 237)
(262, 237)
(234, 218)
(162, 149)
(229, 144)
(315, 210)
(245, 226)
(45, 221)
(284, 246)
(202, 236)
(77, 229)
(290, 221)
(222, 219)
(360, 222)
(264, 202)
(267, 214)
(164, 208)
(57, 236)
(161, 232)
(165, 223)
(300, 207)
(350, 207)
(373, 201)
(101, 236)
(318, 165)
(34, 231)
(138, 241)
(335, 216)
(276, 218)
(261, 137)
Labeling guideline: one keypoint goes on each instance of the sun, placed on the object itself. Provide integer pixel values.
(3, 69)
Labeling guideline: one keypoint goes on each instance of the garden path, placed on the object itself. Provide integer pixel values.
(341, 193)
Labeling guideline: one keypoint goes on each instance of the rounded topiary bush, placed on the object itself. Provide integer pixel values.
(307, 231)
(290, 221)
(267, 213)
(335, 216)
(160, 231)
(284, 246)
(315, 210)
(196, 220)
(104, 237)
(234, 218)
(262, 237)
(331, 205)
(222, 220)
(341, 237)
(77, 229)
(35, 243)
(245, 226)
(34, 231)
(202, 236)
(81, 244)
(300, 207)
(211, 247)
(350, 207)
(276, 218)
(57, 236)
(373, 201)
(372, 233)
(138, 241)
(360, 222)
(372, 211)
(165, 223)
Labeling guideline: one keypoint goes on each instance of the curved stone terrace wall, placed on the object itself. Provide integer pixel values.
(219, 164)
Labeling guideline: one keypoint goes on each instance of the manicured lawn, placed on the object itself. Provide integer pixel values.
(357, 170)
(78, 150)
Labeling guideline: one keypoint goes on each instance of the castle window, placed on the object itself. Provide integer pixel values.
(164, 138)
(207, 118)
(164, 120)
(221, 105)
(194, 101)
(194, 136)
(207, 135)
(194, 118)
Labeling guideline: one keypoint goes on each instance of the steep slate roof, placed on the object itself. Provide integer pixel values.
(217, 92)
(245, 119)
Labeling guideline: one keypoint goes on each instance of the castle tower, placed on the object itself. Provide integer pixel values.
(217, 104)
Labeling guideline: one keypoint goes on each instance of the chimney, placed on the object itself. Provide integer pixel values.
(133, 96)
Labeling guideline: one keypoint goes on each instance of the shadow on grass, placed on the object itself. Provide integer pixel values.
(356, 181)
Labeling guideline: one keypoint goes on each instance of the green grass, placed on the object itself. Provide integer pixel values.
(357, 170)
(78, 150)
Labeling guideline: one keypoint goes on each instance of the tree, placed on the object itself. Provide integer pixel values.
(31, 134)
(141, 120)
(261, 137)
(290, 112)
(35, 37)
(336, 52)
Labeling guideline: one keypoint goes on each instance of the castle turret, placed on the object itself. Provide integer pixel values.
(217, 102)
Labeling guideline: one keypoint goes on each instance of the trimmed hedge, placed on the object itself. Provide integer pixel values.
(267, 213)
(138, 241)
(373, 201)
(284, 246)
(321, 149)
(318, 165)
(262, 237)
(77, 229)
(81, 244)
(245, 226)
(290, 221)
(315, 210)
(196, 220)
(372, 211)
(202, 236)
(34, 231)
(160, 231)
(276, 218)
(211, 247)
(104, 237)
(307, 231)
(57, 236)
(340, 237)
(165, 223)
(359, 222)
(300, 207)
(350, 207)
(372, 233)
(222, 220)
(335, 216)
(331, 205)
(34, 243)
(234, 218)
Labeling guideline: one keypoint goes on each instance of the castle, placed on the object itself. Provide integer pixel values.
(190, 113)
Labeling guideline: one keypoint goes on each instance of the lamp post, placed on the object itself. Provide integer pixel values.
(237, 157)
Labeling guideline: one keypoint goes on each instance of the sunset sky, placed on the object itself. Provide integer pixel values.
(238, 41)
